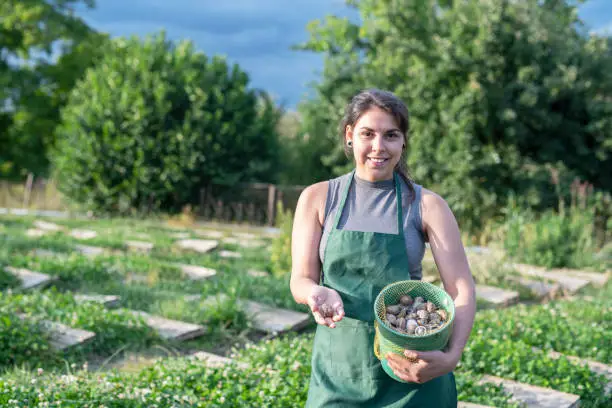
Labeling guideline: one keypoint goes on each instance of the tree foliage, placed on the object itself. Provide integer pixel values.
(44, 49)
(153, 122)
(499, 92)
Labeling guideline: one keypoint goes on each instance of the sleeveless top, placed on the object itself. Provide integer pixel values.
(371, 206)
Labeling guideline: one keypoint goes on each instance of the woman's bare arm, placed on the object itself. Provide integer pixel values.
(442, 231)
(306, 235)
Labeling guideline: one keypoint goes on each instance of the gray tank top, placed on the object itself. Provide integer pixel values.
(371, 206)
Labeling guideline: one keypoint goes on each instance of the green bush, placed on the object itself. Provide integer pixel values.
(154, 122)
(281, 245)
(553, 239)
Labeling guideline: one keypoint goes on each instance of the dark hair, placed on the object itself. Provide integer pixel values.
(387, 101)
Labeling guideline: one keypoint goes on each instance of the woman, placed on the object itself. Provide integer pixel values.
(350, 239)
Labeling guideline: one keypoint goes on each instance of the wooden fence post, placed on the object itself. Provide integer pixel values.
(271, 204)
(27, 190)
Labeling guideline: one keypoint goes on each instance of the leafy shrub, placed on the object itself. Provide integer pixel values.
(154, 122)
(281, 245)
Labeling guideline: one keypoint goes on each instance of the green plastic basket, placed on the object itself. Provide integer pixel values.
(388, 340)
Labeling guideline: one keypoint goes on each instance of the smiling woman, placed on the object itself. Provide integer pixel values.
(357, 233)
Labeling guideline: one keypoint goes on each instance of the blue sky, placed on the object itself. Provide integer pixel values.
(257, 34)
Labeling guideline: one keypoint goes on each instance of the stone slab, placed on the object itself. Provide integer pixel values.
(251, 243)
(139, 246)
(497, 296)
(89, 250)
(195, 272)
(534, 397)
(266, 318)
(215, 360)
(46, 253)
(595, 366)
(47, 226)
(230, 254)
(230, 240)
(210, 233)
(245, 235)
(462, 404)
(538, 288)
(257, 274)
(36, 233)
(171, 329)
(105, 300)
(63, 337)
(595, 278)
(180, 235)
(30, 279)
(569, 283)
(83, 234)
(198, 245)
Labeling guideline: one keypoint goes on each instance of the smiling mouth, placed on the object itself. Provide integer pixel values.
(376, 160)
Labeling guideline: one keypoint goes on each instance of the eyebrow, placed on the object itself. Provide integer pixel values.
(386, 131)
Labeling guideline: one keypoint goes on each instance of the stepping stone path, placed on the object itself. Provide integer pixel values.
(139, 246)
(30, 279)
(89, 250)
(171, 329)
(62, 337)
(539, 288)
(36, 233)
(470, 405)
(83, 234)
(47, 226)
(567, 282)
(210, 233)
(195, 272)
(532, 396)
(265, 318)
(230, 240)
(245, 235)
(497, 296)
(230, 254)
(46, 253)
(105, 300)
(215, 360)
(257, 274)
(180, 235)
(251, 243)
(198, 245)
(141, 235)
(595, 366)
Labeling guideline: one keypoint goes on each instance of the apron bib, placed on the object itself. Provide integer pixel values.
(345, 371)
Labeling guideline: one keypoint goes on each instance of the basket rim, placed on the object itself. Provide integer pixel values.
(382, 324)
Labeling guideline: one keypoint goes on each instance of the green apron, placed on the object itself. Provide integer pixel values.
(345, 371)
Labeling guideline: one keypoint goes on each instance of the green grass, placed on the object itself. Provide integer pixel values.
(277, 371)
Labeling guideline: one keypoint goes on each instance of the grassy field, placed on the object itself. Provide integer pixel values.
(267, 370)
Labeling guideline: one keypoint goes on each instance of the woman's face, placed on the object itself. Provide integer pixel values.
(377, 145)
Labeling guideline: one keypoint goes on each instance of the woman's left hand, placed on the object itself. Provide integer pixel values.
(422, 366)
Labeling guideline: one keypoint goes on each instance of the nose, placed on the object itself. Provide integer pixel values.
(378, 143)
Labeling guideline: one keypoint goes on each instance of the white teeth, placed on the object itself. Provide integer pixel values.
(377, 160)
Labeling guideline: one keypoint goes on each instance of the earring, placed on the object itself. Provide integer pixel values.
(349, 143)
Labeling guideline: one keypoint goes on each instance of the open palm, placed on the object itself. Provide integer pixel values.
(326, 306)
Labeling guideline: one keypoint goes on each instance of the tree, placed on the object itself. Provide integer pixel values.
(153, 122)
(44, 49)
(499, 91)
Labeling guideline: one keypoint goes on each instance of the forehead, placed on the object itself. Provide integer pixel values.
(377, 119)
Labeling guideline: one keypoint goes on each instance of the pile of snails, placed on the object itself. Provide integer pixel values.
(415, 316)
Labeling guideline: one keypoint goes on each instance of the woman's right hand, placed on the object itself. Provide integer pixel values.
(326, 306)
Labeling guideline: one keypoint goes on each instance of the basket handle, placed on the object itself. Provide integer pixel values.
(376, 342)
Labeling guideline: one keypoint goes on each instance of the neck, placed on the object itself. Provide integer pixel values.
(371, 177)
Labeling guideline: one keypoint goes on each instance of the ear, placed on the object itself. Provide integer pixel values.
(348, 133)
